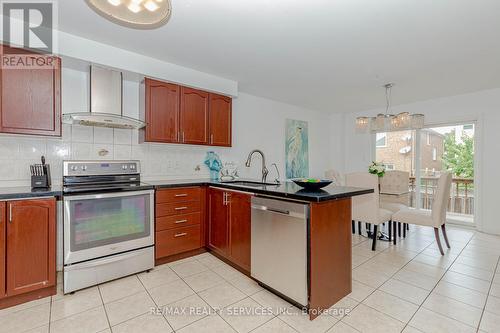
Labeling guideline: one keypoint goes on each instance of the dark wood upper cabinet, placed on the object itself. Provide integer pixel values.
(220, 120)
(194, 116)
(218, 228)
(31, 99)
(31, 245)
(240, 228)
(162, 111)
(2, 249)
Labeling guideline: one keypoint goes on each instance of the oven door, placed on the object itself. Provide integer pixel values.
(98, 225)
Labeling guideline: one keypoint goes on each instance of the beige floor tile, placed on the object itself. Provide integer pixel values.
(417, 279)
(443, 262)
(428, 270)
(275, 325)
(486, 263)
(189, 268)
(203, 280)
(366, 319)
(430, 322)
(180, 261)
(157, 277)
(493, 305)
(343, 307)
(409, 329)
(86, 322)
(467, 282)
(246, 315)
(267, 299)
(490, 323)
(360, 291)
(72, 304)
(41, 329)
(391, 305)
(24, 306)
(453, 309)
(212, 324)
(341, 327)
(222, 295)
(462, 294)
(358, 260)
(129, 307)
(370, 278)
(373, 265)
(300, 321)
(475, 272)
(146, 323)
(170, 292)
(227, 272)
(26, 319)
(210, 261)
(495, 289)
(405, 291)
(114, 290)
(247, 285)
(186, 311)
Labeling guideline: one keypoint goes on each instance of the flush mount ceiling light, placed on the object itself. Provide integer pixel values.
(386, 122)
(139, 14)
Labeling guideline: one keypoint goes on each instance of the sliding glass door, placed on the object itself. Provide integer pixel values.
(425, 154)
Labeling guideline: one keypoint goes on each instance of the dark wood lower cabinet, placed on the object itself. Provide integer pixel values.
(28, 252)
(240, 228)
(229, 226)
(3, 251)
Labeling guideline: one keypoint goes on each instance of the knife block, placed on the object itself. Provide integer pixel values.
(43, 180)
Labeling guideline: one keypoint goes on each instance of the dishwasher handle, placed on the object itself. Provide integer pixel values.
(277, 211)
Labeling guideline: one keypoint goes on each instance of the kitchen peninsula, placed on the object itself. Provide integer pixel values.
(217, 216)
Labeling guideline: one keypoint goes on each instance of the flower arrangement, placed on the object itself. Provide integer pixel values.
(377, 169)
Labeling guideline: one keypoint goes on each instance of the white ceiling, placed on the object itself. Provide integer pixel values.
(330, 55)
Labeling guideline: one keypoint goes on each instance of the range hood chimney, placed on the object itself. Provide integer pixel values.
(106, 105)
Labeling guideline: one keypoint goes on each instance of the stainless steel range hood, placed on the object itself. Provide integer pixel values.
(106, 105)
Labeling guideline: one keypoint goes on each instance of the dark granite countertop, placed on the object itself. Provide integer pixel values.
(285, 190)
(19, 192)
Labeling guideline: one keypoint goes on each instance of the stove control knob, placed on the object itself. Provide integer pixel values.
(74, 168)
(124, 167)
(84, 168)
(132, 166)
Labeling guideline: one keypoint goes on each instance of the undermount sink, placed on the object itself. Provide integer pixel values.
(249, 183)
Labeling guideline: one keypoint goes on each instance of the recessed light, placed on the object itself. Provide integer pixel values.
(134, 7)
(115, 2)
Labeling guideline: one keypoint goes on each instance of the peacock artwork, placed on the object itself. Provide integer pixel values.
(296, 149)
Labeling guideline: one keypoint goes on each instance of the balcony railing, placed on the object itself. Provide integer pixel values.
(461, 199)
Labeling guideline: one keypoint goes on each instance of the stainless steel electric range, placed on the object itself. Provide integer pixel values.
(108, 222)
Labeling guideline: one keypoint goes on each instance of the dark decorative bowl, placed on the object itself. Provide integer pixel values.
(312, 186)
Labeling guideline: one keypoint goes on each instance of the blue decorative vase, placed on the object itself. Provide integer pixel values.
(214, 174)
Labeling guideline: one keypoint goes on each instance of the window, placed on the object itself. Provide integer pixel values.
(389, 167)
(434, 154)
(381, 140)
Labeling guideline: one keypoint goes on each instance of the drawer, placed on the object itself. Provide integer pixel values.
(176, 221)
(180, 194)
(168, 209)
(178, 240)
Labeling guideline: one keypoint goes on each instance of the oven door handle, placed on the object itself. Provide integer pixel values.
(107, 195)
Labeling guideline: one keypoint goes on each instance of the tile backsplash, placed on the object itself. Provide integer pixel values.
(158, 161)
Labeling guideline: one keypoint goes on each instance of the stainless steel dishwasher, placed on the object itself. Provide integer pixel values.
(279, 247)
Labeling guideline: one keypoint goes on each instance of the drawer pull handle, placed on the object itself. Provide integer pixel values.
(181, 195)
(180, 208)
(181, 234)
(180, 221)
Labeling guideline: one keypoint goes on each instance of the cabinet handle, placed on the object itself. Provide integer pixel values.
(178, 136)
(10, 212)
(180, 221)
(211, 139)
(224, 198)
(181, 195)
(180, 208)
(182, 234)
(183, 137)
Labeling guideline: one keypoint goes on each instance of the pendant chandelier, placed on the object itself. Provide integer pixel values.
(138, 14)
(387, 122)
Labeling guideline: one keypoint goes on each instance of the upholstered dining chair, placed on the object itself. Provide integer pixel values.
(393, 183)
(366, 208)
(436, 217)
